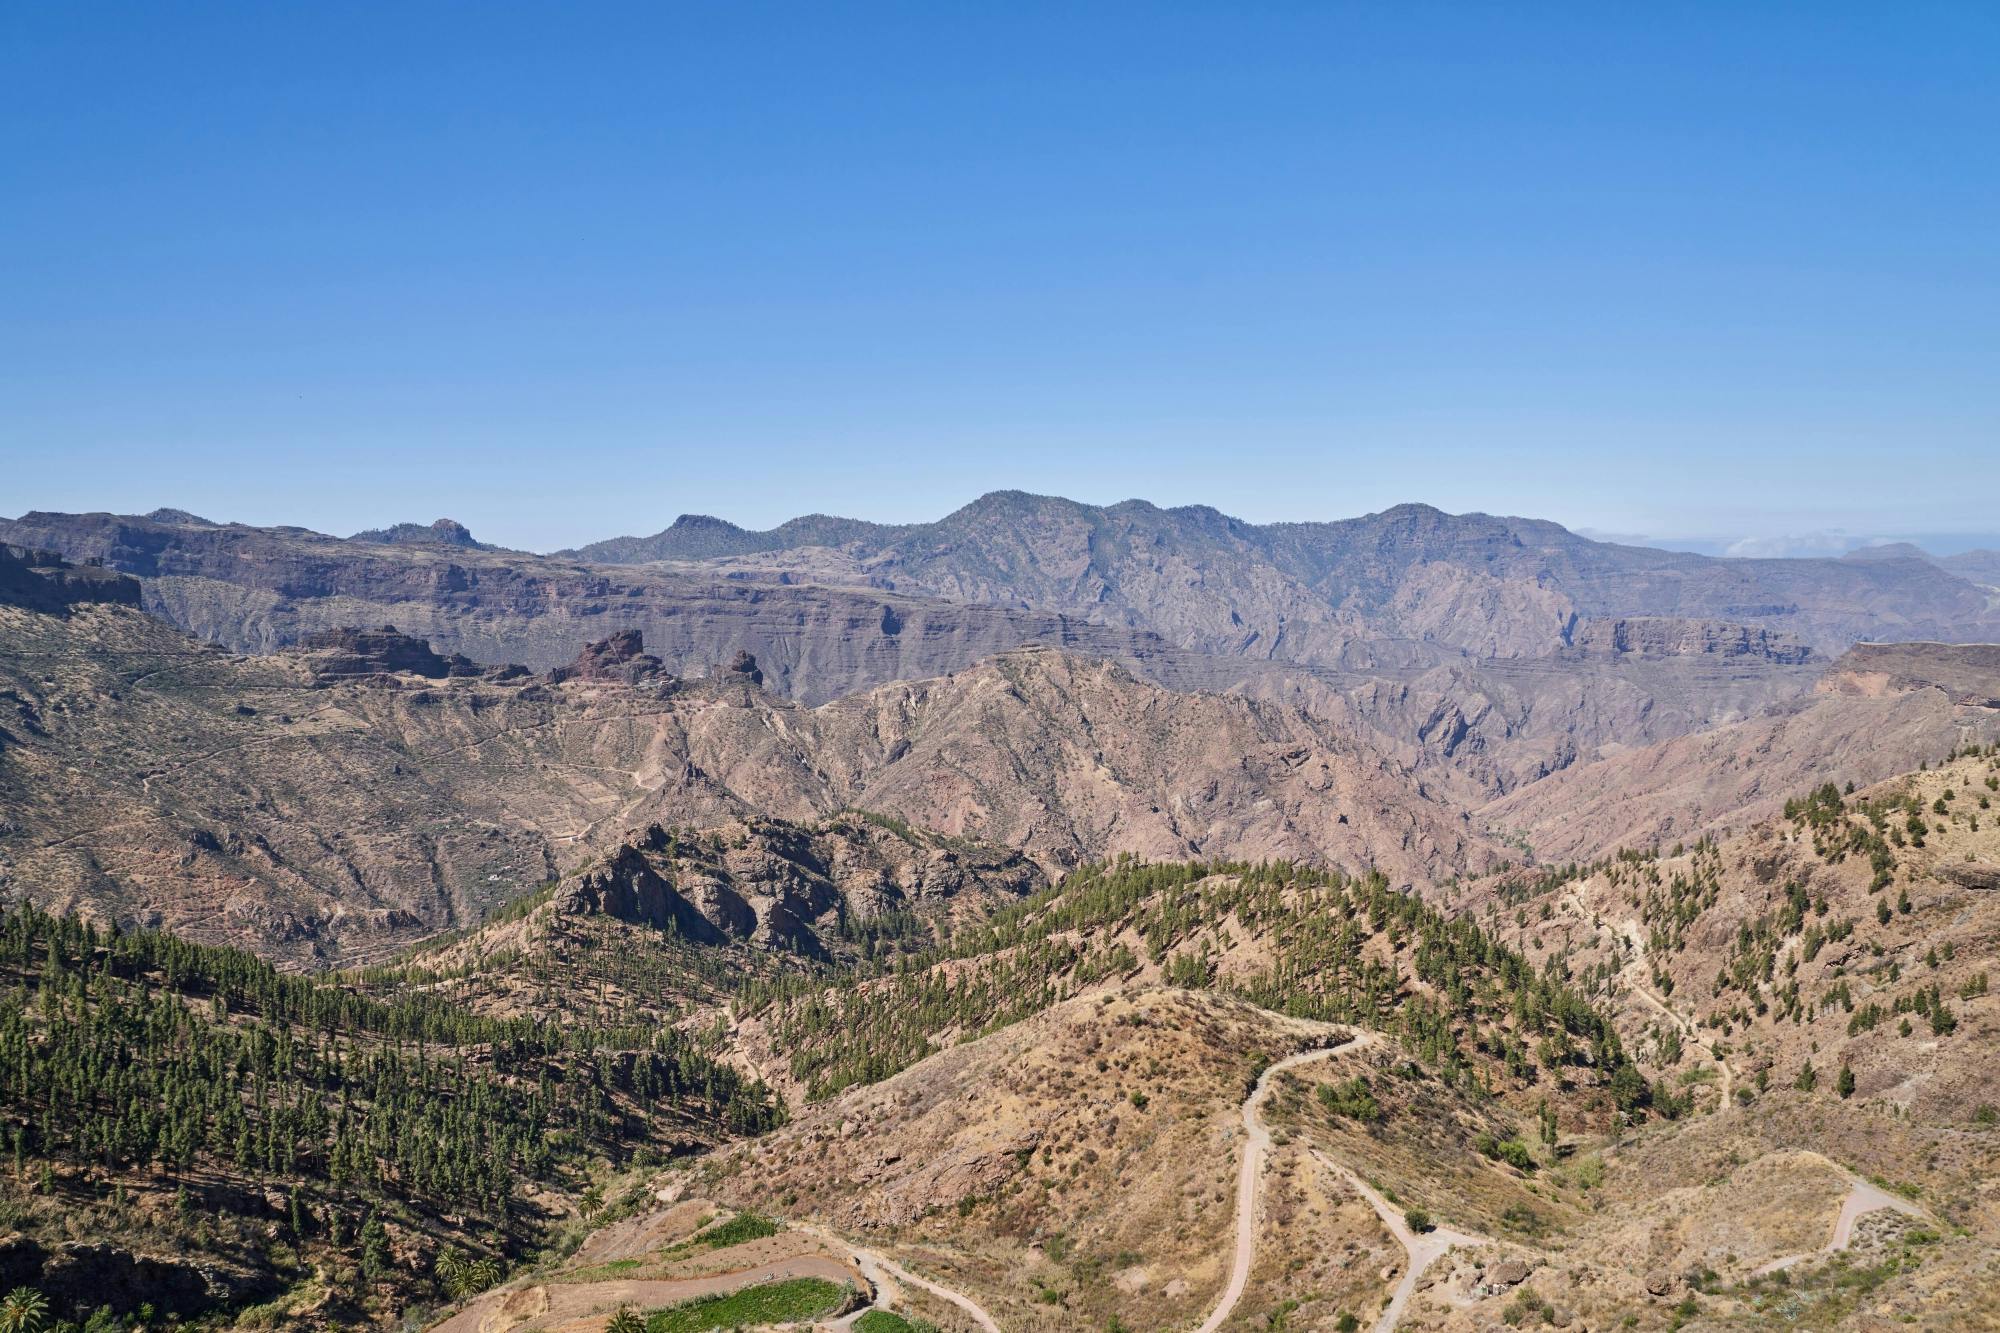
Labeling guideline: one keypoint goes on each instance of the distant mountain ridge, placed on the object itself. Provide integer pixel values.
(1485, 652)
(703, 537)
(330, 804)
(1491, 586)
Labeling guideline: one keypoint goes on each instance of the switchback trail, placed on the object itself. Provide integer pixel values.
(1634, 972)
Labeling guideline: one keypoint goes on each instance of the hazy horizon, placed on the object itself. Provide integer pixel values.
(1802, 545)
(1638, 271)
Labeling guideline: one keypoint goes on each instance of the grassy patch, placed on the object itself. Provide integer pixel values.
(774, 1302)
(738, 1229)
(881, 1321)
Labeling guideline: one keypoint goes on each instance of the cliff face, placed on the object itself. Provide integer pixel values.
(1968, 674)
(258, 589)
(44, 581)
(1460, 664)
(340, 653)
(316, 817)
(800, 889)
(832, 605)
(1669, 636)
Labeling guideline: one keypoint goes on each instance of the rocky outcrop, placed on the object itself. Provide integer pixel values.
(798, 888)
(1970, 874)
(45, 581)
(342, 654)
(621, 659)
(1671, 636)
(628, 887)
(1966, 673)
(79, 1277)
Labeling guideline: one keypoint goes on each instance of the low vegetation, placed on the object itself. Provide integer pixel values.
(1336, 949)
(771, 1303)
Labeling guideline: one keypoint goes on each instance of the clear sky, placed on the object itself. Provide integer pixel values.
(567, 270)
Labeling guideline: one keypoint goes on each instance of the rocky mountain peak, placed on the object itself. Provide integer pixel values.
(180, 516)
(439, 532)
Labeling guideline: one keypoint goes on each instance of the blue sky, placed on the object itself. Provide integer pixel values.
(1713, 271)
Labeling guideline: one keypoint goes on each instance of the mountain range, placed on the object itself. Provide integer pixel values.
(1053, 916)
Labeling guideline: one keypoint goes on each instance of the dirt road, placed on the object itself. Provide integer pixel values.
(1249, 1176)
(1423, 1247)
(1862, 1199)
(559, 1305)
(884, 1273)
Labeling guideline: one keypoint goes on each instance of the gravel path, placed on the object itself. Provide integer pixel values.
(1249, 1176)
(1862, 1199)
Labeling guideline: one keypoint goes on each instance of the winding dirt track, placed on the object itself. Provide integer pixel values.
(1249, 1176)
(1424, 1248)
(884, 1273)
(1634, 972)
(1862, 1199)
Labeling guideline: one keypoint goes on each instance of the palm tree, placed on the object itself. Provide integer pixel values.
(625, 1321)
(459, 1276)
(449, 1269)
(24, 1310)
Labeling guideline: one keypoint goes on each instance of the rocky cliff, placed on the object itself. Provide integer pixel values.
(801, 889)
(45, 581)
(149, 778)
(260, 589)
(1968, 674)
